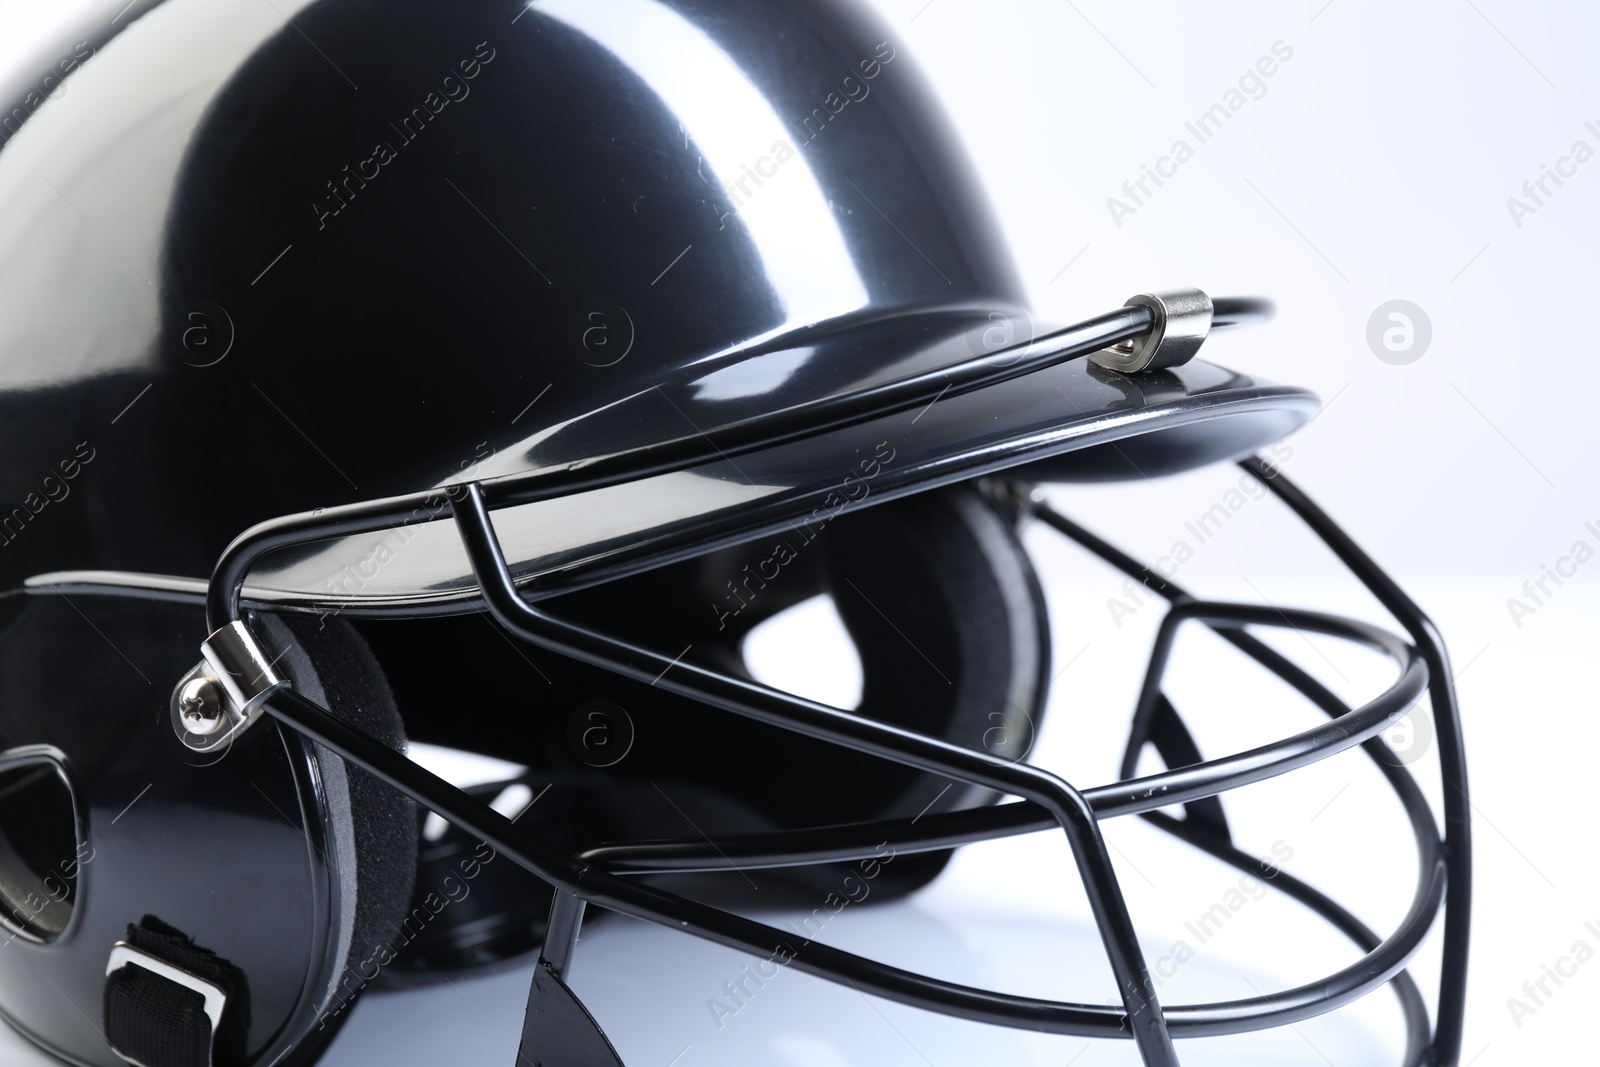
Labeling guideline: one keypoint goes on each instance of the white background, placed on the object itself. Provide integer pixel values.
(1376, 166)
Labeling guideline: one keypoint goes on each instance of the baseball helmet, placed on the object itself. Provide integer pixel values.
(482, 376)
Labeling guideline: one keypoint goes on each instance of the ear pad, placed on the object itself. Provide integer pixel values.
(272, 858)
(374, 827)
(948, 620)
(942, 603)
(937, 594)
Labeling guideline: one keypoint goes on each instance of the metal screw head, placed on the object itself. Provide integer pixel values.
(200, 703)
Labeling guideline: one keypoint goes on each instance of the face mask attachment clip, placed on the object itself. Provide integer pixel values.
(222, 695)
(1181, 322)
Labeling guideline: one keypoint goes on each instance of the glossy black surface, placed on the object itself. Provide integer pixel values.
(1203, 413)
(559, 1029)
(538, 174)
(235, 855)
(246, 276)
(250, 269)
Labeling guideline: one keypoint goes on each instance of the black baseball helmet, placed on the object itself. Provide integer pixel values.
(480, 376)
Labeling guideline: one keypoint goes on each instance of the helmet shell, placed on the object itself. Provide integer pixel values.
(252, 268)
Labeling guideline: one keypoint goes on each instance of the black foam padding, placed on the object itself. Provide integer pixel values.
(943, 609)
(384, 820)
(948, 619)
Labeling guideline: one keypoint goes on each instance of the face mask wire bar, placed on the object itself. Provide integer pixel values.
(773, 428)
(602, 875)
(1047, 802)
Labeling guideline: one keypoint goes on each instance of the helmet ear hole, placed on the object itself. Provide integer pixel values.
(39, 845)
(373, 826)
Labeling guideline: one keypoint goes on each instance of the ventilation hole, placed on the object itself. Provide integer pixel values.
(806, 650)
(38, 850)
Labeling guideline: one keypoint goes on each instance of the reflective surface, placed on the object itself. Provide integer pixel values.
(582, 538)
(101, 718)
(437, 236)
(657, 519)
(244, 275)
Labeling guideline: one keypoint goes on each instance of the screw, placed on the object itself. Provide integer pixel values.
(201, 706)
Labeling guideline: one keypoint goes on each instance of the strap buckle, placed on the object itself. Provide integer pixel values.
(125, 955)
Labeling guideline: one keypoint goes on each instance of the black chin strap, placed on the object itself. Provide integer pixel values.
(170, 1003)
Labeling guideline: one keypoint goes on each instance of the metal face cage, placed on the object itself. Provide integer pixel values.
(559, 1030)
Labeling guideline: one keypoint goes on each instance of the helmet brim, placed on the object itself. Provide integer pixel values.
(1069, 423)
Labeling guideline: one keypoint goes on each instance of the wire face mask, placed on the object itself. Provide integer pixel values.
(483, 377)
